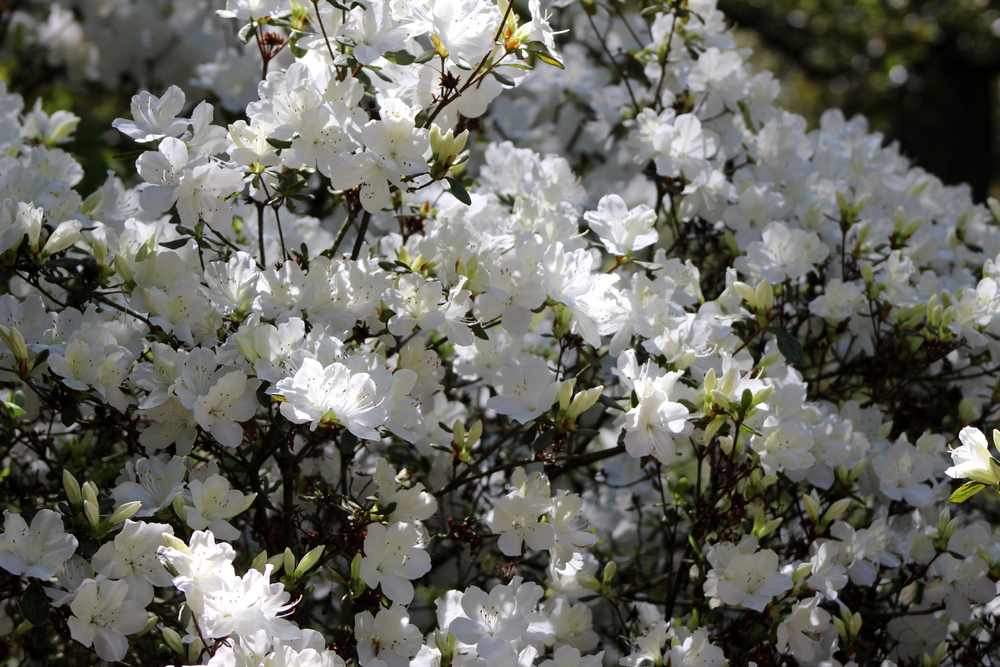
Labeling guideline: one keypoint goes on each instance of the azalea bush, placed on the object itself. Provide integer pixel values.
(462, 333)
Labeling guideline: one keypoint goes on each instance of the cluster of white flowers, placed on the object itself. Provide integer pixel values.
(574, 335)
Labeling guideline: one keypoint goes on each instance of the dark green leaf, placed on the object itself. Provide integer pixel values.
(175, 244)
(348, 441)
(544, 440)
(479, 332)
(459, 192)
(35, 604)
(610, 403)
(262, 396)
(505, 80)
(745, 400)
(788, 345)
(69, 414)
(425, 57)
(379, 74)
(278, 143)
(400, 57)
(966, 491)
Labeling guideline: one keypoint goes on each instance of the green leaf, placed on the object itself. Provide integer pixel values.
(505, 80)
(14, 411)
(541, 51)
(479, 332)
(246, 33)
(788, 345)
(459, 192)
(543, 441)
(175, 244)
(400, 57)
(378, 73)
(35, 604)
(69, 414)
(348, 441)
(263, 397)
(425, 57)
(610, 403)
(278, 143)
(746, 399)
(966, 491)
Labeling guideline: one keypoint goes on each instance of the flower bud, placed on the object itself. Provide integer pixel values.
(994, 208)
(709, 383)
(173, 640)
(747, 293)
(967, 410)
(475, 432)
(843, 204)
(811, 504)
(855, 624)
(863, 232)
(565, 393)
(180, 509)
(92, 513)
(309, 560)
(14, 341)
(65, 235)
(609, 572)
(244, 340)
(836, 509)
(194, 652)
(175, 542)
(123, 270)
(126, 511)
(100, 250)
(801, 572)
(765, 296)
(912, 226)
(867, 273)
(583, 401)
(762, 395)
(861, 203)
(89, 492)
(150, 624)
(899, 219)
(72, 488)
(259, 562)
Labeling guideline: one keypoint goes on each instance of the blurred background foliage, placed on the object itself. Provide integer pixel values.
(925, 72)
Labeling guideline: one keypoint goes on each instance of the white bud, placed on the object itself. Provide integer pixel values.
(72, 488)
(92, 513)
(65, 235)
(126, 511)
